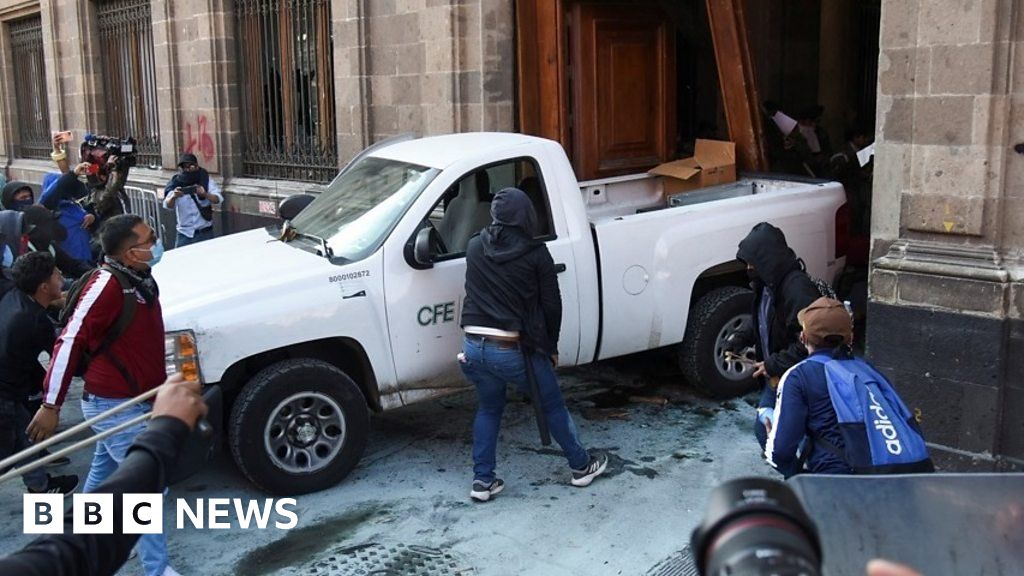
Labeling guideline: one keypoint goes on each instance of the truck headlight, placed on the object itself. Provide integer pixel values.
(181, 355)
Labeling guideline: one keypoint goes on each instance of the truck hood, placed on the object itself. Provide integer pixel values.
(211, 273)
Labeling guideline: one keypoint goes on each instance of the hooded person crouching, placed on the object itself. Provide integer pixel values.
(781, 289)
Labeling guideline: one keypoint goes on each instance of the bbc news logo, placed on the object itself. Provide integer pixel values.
(144, 513)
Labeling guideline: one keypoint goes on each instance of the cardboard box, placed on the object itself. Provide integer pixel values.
(713, 162)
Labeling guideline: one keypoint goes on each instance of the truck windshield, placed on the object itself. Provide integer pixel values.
(358, 210)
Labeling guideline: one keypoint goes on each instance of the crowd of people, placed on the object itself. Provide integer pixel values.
(76, 284)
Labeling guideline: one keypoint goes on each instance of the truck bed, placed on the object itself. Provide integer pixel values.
(652, 249)
(621, 196)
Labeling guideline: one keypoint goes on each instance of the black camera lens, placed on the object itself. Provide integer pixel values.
(754, 527)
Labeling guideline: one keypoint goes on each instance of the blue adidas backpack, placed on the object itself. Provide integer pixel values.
(880, 435)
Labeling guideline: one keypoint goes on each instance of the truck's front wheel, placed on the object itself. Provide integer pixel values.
(702, 355)
(298, 426)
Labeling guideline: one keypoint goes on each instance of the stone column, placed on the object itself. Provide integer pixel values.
(946, 312)
(197, 82)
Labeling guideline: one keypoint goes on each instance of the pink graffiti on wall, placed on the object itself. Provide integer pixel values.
(200, 141)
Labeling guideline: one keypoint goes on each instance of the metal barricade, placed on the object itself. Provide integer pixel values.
(146, 204)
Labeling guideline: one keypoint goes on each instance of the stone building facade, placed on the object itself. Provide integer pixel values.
(423, 66)
(946, 312)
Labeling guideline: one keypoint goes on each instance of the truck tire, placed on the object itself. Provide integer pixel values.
(298, 426)
(717, 314)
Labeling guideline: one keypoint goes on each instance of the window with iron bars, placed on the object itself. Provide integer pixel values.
(125, 51)
(33, 114)
(287, 85)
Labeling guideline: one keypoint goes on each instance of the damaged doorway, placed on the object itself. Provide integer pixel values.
(624, 86)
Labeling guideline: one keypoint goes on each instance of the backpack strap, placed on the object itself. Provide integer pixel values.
(128, 305)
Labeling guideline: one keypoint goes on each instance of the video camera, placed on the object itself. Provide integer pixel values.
(755, 527)
(97, 150)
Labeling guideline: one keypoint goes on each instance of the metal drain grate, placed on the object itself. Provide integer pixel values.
(393, 560)
(679, 564)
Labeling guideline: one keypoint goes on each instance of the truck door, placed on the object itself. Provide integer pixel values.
(424, 305)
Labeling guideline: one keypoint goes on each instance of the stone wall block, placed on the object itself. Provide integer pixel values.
(405, 90)
(963, 69)
(945, 120)
(893, 163)
(1012, 436)
(958, 294)
(899, 23)
(883, 286)
(1013, 227)
(952, 215)
(949, 22)
(898, 121)
(411, 58)
(383, 60)
(897, 70)
(437, 89)
(990, 120)
(958, 171)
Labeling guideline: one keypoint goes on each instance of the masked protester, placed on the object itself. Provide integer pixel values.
(35, 229)
(125, 341)
(781, 289)
(17, 196)
(73, 217)
(512, 316)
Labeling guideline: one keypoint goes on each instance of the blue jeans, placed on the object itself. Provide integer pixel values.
(491, 368)
(14, 418)
(109, 453)
(197, 236)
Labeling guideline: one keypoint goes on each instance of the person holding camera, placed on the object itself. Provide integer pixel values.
(191, 193)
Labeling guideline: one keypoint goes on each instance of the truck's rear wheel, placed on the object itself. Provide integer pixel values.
(702, 357)
(298, 426)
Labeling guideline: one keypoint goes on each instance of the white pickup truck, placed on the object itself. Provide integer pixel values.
(357, 309)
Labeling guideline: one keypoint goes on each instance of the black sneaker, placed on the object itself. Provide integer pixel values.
(59, 485)
(592, 470)
(62, 461)
(482, 491)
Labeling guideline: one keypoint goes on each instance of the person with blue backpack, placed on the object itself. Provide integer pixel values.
(837, 414)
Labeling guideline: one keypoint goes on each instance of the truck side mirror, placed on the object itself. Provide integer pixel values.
(421, 247)
(292, 205)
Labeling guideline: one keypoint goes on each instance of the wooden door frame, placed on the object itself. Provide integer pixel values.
(541, 56)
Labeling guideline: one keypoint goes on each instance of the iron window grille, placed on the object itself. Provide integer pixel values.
(287, 86)
(33, 113)
(129, 74)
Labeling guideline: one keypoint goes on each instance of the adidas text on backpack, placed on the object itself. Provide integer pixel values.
(880, 435)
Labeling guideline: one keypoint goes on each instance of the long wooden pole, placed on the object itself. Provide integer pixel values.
(738, 83)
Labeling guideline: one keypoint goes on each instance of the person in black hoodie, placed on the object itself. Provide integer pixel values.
(781, 289)
(145, 469)
(513, 314)
(17, 196)
(25, 332)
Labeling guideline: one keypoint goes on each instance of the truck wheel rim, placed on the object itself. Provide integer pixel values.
(305, 432)
(733, 369)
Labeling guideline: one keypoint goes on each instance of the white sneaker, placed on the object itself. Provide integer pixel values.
(168, 571)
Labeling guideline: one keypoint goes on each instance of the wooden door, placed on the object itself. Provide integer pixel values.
(622, 86)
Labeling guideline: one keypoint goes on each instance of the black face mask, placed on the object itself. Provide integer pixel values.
(188, 177)
(752, 275)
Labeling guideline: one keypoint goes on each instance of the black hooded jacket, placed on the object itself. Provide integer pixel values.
(7, 197)
(779, 269)
(511, 282)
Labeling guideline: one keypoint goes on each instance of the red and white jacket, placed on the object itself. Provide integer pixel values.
(140, 348)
